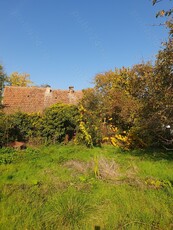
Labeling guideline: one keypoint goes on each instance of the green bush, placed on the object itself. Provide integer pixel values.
(53, 126)
(59, 121)
(88, 129)
(19, 127)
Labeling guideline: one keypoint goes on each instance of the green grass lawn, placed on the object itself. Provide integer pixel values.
(74, 187)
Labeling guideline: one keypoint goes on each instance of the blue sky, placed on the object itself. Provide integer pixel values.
(67, 42)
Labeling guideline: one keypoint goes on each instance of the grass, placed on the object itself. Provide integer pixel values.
(73, 187)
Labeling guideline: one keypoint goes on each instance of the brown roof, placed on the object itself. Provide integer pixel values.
(36, 99)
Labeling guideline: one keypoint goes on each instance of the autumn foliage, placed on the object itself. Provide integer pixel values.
(127, 107)
(133, 107)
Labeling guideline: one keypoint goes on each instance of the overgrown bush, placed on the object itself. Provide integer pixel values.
(88, 129)
(59, 123)
(19, 127)
(53, 126)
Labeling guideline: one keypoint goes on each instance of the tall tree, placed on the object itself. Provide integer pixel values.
(155, 121)
(17, 79)
(2, 81)
(111, 101)
(163, 91)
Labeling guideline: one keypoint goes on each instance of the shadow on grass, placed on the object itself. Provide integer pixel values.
(153, 154)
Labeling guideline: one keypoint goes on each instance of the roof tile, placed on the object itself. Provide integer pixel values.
(36, 99)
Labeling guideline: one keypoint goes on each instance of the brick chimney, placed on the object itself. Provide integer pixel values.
(71, 89)
(47, 96)
(48, 90)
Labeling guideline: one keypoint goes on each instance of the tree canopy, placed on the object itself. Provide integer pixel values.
(18, 79)
(137, 101)
(2, 81)
(163, 12)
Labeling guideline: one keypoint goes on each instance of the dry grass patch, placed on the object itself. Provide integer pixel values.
(79, 166)
(108, 169)
(102, 167)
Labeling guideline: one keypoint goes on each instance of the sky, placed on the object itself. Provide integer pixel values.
(67, 42)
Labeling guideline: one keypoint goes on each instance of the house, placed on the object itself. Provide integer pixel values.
(36, 99)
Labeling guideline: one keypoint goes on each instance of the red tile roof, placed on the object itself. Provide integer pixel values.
(36, 99)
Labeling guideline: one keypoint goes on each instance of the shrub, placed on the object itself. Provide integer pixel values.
(89, 128)
(59, 121)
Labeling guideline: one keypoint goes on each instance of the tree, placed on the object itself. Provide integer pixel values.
(162, 12)
(17, 79)
(111, 107)
(168, 14)
(134, 102)
(163, 92)
(154, 123)
(115, 96)
(2, 81)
